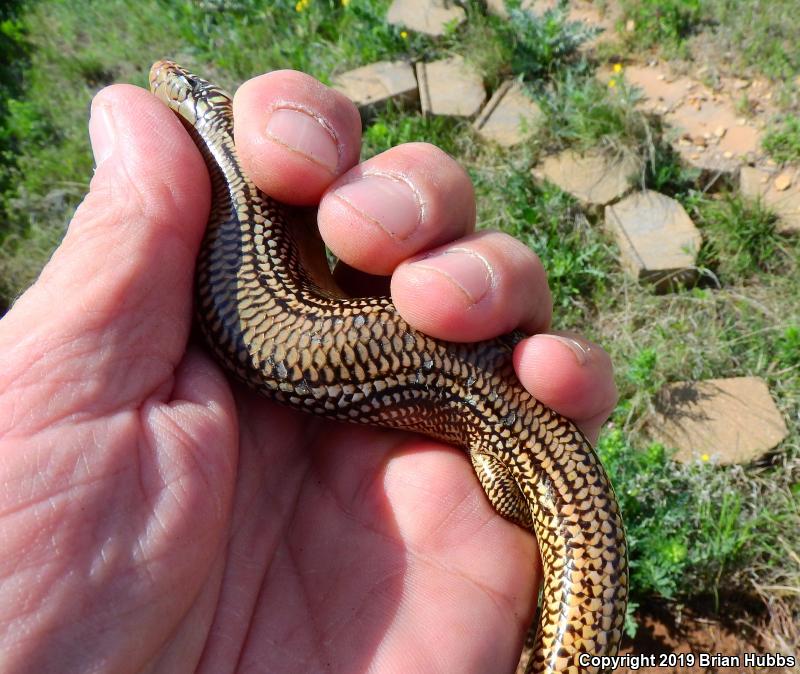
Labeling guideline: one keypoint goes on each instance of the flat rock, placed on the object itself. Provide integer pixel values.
(722, 420)
(707, 132)
(450, 87)
(425, 16)
(510, 116)
(594, 178)
(779, 190)
(657, 239)
(717, 139)
(660, 90)
(373, 85)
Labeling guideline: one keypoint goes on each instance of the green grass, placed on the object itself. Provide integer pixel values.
(782, 140)
(762, 37)
(662, 23)
(702, 529)
(688, 526)
(582, 114)
(742, 35)
(740, 237)
(394, 126)
(695, 530)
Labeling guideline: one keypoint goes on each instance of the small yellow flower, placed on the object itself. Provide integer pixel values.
(705, 457)
(301, 5)
(617, 68)
(612, 83)
(404, 34)
(345, 3)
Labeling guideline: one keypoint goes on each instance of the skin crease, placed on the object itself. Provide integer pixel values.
(156, 518)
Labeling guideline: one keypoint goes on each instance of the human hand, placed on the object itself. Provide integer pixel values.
(155, 517)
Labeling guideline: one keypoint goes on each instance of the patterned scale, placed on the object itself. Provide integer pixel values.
(287, 333)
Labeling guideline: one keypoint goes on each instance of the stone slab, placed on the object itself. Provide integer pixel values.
(726, 421)
(449, 87)
(717, 139)
(706, 130)
(661, 92)
(657, 239)
(510, 117)
(425, 16)
(374, 84)
(594, 178)
(779, 190)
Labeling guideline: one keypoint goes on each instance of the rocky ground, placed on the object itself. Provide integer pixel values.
(725, 421)
(657, 239)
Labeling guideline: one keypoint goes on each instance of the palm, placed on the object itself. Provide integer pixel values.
(154, 519)
(350, 547)
(291, 542)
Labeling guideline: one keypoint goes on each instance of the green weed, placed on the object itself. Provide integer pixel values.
(787, 348)
(542, 44)
(664, 170)
(754, 38)
(782, 141)
(641, 371)
(665, 23)
(740, 237)
(691, 529)
(13, 61)
(583, 114)
(393, 126)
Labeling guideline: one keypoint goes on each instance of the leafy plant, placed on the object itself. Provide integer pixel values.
(740, 236)
(642, 368)
(541, 44)
(782, 141)
(583, 113)
(787, 347)
(688, 527)
(662, 22)
(665, 172)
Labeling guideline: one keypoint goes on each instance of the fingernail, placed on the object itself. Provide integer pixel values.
(581, 352)
(101, 132)
(468, 271)
(389, 202)
(304, 134)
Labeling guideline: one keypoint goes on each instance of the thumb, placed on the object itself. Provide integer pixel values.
(117, 292)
